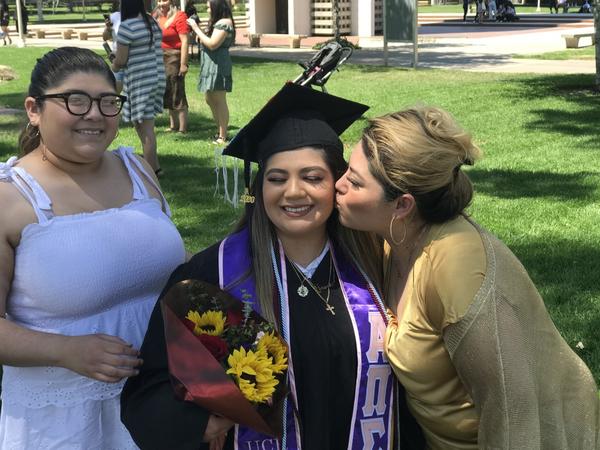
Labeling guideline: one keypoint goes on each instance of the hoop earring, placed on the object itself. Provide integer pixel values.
(394, 241)
(29, 126)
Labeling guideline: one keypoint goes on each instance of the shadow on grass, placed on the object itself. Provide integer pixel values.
(13, 100)
(528, 184)
(579, 90)
(566, 273)
(573, 123)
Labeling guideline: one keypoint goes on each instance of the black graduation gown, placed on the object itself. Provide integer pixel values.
(324, 360)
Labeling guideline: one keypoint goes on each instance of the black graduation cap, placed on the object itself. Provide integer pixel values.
(297, 116)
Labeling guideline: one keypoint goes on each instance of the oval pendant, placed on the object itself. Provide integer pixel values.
(302, 291)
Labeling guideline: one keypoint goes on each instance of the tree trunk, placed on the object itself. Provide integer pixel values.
(40, 14)
(336, 19)
(597, 44)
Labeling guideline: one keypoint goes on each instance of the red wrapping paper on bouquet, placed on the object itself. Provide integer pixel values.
(196, 374)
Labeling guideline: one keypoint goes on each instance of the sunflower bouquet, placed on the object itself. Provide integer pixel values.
(224, 356)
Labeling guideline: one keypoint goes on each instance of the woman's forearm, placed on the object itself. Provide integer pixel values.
(184, 49)
(202, 38)
(27, 348)
(214, 41)
(121, 56)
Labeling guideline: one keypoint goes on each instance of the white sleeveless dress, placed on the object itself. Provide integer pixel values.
(98, 272)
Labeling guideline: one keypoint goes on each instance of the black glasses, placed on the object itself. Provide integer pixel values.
(80, 103)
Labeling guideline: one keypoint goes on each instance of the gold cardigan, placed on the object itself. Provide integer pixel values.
(482, 363)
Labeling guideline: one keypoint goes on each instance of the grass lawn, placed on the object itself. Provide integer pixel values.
(62, 15)
(537, 188)
(570, 53)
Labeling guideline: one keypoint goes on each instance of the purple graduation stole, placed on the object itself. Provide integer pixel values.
(372, 420)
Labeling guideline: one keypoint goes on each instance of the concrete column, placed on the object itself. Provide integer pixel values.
(299, 17)
(354, 17)
(365, 14)
(262, 16)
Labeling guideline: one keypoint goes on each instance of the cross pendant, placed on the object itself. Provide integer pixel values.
(330, 309)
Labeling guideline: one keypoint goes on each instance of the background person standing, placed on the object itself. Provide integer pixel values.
(215, 62)
(4, 20)
(111, 29)
(140, 55)
(175, 31)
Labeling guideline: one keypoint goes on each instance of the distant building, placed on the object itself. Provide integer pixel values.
(315, 18)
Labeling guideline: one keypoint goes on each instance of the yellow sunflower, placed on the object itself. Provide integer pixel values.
(272, 347)
(210, 322)
(253, 374)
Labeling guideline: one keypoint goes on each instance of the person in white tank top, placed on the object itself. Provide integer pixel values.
(86, 245)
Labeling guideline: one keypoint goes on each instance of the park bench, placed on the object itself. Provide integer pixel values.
(572, 39)
(84, 35)
(65, 33)
(293, 39)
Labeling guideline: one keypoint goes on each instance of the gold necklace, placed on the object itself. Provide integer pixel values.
(413, 248)
(303, 290)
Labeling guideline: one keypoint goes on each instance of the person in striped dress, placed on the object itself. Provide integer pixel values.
(140, 55)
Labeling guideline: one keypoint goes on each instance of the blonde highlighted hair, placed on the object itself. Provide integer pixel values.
(420, 151)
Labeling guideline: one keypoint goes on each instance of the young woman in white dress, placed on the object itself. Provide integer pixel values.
(86, 244)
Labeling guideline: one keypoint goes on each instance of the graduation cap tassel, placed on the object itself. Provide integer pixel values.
(225, 180)
(235, 183)
(233, 198)
(217, 170)
(221, 165)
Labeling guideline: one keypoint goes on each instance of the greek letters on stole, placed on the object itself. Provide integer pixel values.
(372, 415)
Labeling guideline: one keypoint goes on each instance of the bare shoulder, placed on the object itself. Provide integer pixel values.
(17, 213)
(224, 21)
(148, 169)
(11, 225)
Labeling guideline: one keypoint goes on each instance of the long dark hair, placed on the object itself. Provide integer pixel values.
(50, 71)
(131, 9)
(219, 9)
(262, 236)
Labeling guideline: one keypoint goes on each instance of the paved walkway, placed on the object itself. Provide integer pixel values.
(444, 42)
(452, 44)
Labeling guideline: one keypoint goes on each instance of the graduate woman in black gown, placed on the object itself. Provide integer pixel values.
(290, 253)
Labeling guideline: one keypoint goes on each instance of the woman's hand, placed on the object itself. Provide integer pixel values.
(216, 429)
(194, 26)
(192, 23)
(217, 443)
(100, 357)
(183, 68)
